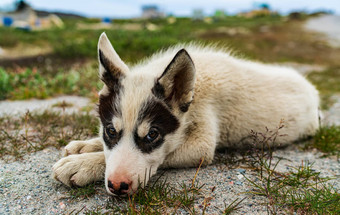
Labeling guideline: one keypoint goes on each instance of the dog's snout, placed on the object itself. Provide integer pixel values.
(119, 188)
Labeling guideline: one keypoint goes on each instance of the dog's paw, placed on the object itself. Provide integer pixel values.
(80, 147)
(80, 170)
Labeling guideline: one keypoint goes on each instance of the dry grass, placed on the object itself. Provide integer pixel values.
(36, 131)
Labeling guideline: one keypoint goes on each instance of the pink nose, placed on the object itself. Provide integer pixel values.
(119, 187)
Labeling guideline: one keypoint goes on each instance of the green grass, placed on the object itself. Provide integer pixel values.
(31, 83)
(233, 206)
(328, 83)
(158, 197)
(162, 197)
(132, 45)
(326, 140)
(268, 39)
(82, 192)
(300, 190)
(36, 131)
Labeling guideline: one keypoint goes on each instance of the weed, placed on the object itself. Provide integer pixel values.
(301, 189)
(233, 206)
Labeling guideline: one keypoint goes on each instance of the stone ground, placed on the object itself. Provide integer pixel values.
(26, 186)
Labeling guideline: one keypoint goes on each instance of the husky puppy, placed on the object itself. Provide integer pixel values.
(177, 107)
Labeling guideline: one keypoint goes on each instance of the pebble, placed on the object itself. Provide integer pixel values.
(240, 176)
(242, 171)
(238, 182)
(62, 205)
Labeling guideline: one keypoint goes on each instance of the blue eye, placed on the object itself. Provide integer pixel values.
(111, 132)
(152, 135)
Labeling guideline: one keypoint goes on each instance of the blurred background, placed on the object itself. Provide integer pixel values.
(48, 48)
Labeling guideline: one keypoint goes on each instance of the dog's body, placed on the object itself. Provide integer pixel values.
(179, 106)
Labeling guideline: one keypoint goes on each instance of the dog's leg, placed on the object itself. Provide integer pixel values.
(80, 170)
(200, 143)
(80, 147)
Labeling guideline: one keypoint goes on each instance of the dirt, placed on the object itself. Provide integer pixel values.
(13, 108)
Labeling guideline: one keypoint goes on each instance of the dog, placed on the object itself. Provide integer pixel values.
(179, 106)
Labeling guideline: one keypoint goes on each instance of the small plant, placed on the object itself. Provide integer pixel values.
(327, 140)
(233, 206)
(299, 190)
(82, 192)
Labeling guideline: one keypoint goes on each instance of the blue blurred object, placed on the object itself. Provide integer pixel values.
(7, 21)
(106, 20)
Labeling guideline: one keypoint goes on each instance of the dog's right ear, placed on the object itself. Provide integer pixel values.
(111, 67)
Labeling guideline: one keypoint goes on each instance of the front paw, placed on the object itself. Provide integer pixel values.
(80, 147)
(80, 170)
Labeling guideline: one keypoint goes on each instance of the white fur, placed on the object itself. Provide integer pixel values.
(232, 96)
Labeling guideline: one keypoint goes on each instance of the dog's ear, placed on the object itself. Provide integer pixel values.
(176, 84)
(111, 67)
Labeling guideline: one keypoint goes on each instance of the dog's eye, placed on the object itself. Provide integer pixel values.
(111, 131)
(152, 135)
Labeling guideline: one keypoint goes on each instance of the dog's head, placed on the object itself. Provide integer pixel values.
(141, 113)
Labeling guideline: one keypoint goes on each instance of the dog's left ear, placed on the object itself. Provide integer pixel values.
(111, 68)
(176, 84)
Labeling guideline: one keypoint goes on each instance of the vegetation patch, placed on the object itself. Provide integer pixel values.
(301, 189)
(328, 84)
(31, 83)
(36, 131)
(160, 197)
(326, 140)
(83, 192)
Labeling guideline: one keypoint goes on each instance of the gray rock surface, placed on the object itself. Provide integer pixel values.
(27, 188)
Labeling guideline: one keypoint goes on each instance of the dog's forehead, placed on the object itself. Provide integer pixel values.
(137, 90)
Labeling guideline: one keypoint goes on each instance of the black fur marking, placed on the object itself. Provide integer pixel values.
(112, 74)
(173, 61)
(181, 72)
(111, 142)
(184, 107)
(107, 108)
(145, 146)
(158, 91)
(111, 77)
(160, 117)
